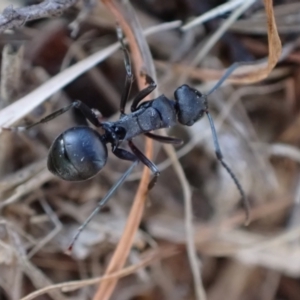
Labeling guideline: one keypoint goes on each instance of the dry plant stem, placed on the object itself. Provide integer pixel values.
(99, 80)
(22, 175)
(121, 253)
(189, 228)
(206, 74)
(285, 150)
(11, 71)
(259, 212)
(28, 186)
(75, 285)
(260, 70)
(17, 17)
(35, 275)
(221, 30)
(285, 237)
(203, 234)
(20, 108)
(58, 226)
(273, 38)
(213, 13)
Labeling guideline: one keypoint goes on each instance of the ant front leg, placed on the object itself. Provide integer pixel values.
(147, 163)
(163, 139)
(124, 154)
(143, 93)
(129, 76)
(86, 111)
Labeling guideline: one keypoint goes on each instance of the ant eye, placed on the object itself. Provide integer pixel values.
(77, 154)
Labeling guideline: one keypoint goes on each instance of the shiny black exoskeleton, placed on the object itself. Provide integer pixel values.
(77, 154)
(80, 152)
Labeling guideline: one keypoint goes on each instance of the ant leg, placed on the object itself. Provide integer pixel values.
(101, 204)
(91, 114)
(143, 93)
(146, 162)
(138, 156)
(164, 139)
(86, 111)
(227, 168)
(124, 154)
(129, 76)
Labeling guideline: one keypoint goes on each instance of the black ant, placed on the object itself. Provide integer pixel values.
(80, 152)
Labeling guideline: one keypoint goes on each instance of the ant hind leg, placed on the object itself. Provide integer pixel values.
(147, 163)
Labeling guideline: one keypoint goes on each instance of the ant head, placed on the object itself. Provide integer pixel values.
(191, 105)
(77, 154)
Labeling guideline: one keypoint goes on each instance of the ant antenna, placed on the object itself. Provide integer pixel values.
(216, 142)
(226, 167)
(100, 205)
(228, 72)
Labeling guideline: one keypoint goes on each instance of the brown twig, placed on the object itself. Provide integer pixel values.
(120, 255)
(17, 17)
(261, 69)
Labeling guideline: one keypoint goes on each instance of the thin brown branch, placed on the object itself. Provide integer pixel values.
(17, 17)
(121, 253)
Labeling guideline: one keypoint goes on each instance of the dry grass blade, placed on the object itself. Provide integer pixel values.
(221, 30)
(23, 106)
(261, 71)
(28, 186)
(38, 278)
(219, 10)
(74, 285)
(175, 236)
(189, 227)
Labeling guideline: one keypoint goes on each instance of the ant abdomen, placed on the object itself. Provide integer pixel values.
(191, 105)
(77, 154)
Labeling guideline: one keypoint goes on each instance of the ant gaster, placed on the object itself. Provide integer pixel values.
(79, 153)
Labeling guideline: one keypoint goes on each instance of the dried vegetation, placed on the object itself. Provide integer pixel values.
(185, 239)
